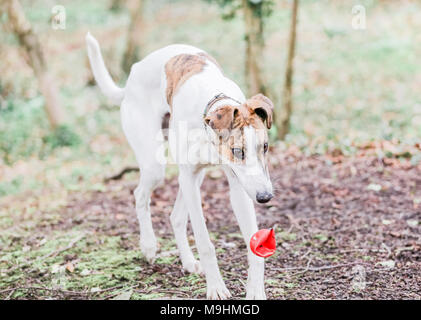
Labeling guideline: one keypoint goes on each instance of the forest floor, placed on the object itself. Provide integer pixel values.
(346, 228)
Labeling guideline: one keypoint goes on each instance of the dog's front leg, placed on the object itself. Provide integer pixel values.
(244, 211)
(190, 186)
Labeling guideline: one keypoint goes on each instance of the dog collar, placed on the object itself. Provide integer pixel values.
(215, 99)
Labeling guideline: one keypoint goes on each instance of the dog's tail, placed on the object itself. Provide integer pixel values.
(102, 77)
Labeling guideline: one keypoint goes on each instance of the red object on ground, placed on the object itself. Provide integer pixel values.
(263, 243)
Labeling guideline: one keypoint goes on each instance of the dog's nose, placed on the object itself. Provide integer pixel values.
(263, 197)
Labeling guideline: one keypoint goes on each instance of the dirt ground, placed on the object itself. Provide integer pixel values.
(346, 228)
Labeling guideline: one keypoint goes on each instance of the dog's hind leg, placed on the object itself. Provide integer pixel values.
(150, 177)
(143, 129)
(179, 219)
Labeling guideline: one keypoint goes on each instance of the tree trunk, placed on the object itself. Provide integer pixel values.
(116, 5)
(35, 56)
(134, 41)
(254, 48)
(283, 122)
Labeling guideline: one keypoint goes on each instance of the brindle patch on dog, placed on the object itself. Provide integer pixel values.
(182, 67)
(179, 69)
(210, 58)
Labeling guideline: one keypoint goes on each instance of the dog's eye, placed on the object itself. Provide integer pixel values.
(265, 147)
(238, 153)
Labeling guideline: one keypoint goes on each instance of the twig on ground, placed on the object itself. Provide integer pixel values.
(10, 294)
(362, 250)
(51, 254)
(69, 246)
(305, 254)
(46, 289)
(389, 252)
(120, 175)
(308, 268)
(7, 290)
(57, 290)
(242, 282)
(116, 293)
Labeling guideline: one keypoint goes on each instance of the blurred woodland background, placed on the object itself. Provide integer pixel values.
(340, 92)
(351, 87)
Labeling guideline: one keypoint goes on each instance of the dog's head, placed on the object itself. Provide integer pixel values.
(241, 139)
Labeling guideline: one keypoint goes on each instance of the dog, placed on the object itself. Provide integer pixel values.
(189, 84)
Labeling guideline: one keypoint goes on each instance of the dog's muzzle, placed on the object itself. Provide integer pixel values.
(263, 197)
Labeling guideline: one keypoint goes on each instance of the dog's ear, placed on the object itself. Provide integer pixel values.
(263, 107)
(221, 120)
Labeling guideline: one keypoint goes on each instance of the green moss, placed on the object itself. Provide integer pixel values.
(193, 279)
(147, 296)
(166, 260)
(286, 236)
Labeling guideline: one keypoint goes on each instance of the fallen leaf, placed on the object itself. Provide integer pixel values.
(70, 267)
(56, 268)
(374, 187)
(85, 272)
(228, 244)
(417, 200)
(341, 192)
(387, 263)
(412, 223)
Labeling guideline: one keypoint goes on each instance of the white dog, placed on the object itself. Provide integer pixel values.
(189, 84)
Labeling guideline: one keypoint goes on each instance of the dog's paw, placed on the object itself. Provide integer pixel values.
(149, 251)
(193, 266)
(218, 291)
(256, 293)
